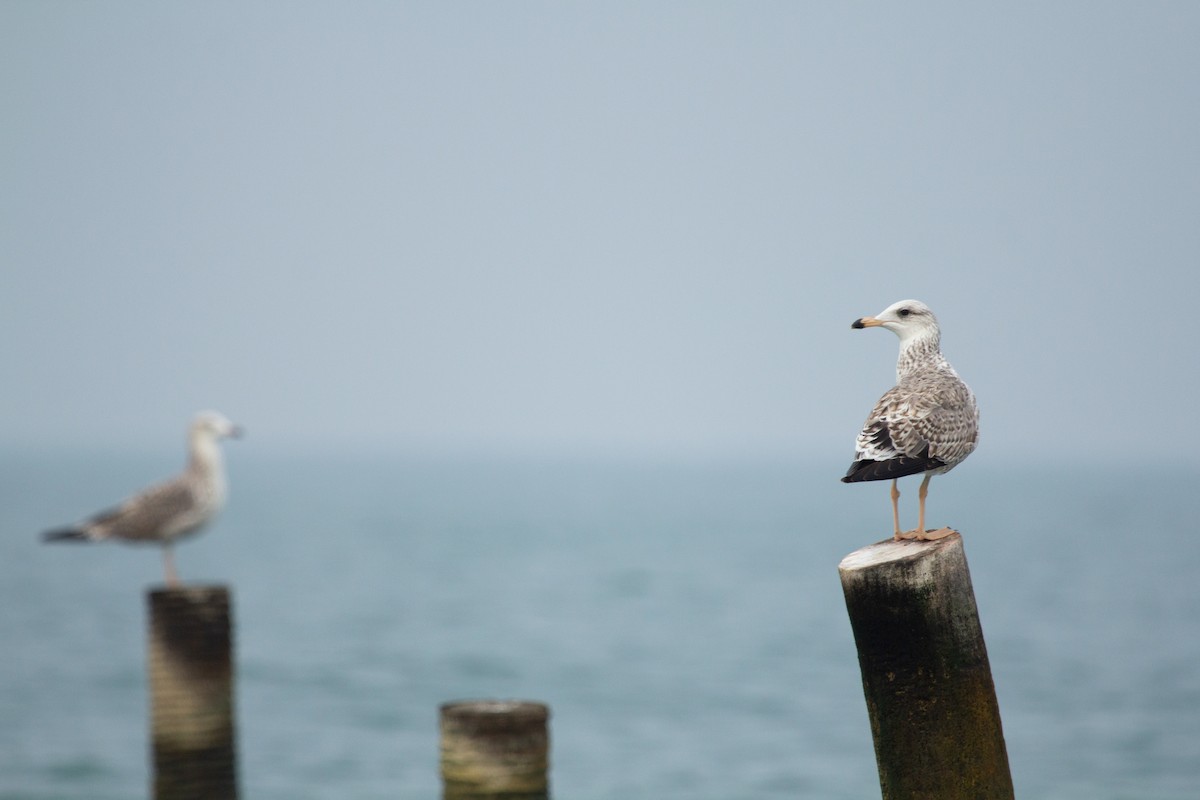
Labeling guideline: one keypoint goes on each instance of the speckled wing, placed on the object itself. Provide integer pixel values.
(161, 512)
(926, 424)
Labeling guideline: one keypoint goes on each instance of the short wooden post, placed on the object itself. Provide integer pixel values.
(925, 672)
(495, 749)
(191, 694)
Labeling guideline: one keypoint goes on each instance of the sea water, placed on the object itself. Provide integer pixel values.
(683, 620)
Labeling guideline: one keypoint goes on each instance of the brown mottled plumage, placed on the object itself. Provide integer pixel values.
(927, 423)
(170, 510)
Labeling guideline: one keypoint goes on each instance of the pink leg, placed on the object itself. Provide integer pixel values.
(896, 509)
(169, 566)
(922, 534)
(922, 493)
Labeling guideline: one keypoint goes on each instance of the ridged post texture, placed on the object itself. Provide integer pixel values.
(495, 750)
(926, 677)
(190, 661)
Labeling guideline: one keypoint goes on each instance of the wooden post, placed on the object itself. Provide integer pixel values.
(191, 694)
(925, 672)
(495, 749)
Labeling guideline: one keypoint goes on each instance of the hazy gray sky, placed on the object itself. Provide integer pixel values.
(608, 226)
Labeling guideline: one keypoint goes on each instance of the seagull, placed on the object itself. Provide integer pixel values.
(928, 423)
(169, 510)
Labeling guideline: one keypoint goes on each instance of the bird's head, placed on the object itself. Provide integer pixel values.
(908, 319)
(214, 425)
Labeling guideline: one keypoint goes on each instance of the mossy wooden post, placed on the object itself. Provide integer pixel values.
(925, 672)
(191, 694)
(496, 749)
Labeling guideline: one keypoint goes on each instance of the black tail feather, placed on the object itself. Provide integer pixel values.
(64, 535)
(892, 468)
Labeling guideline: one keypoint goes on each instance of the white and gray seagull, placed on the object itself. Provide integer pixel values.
(171, 510)
(928, 423)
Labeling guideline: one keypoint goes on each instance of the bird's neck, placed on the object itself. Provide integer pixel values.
(204, 455)
(205, 463)
(920, 353)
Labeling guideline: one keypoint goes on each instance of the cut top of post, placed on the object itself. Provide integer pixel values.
(480, 712)
(194, 594)
(890, 551)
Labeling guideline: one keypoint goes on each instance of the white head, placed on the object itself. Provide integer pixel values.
(213, 426)
(909, 319)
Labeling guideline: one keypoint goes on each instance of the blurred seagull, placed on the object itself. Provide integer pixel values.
(170, 510)
(928, 423)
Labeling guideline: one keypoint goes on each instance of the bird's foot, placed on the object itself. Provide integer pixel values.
(925, 536)
(933, 536)
(940, 533)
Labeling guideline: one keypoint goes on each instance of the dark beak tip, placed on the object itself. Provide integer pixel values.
(857, 324)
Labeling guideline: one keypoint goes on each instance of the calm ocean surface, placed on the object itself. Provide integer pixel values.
(684, 622)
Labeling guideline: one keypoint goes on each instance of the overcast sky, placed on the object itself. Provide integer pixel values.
(636, 227)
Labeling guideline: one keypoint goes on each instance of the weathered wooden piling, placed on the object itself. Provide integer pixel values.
(925, 672)
(191, 694)
(496, 749)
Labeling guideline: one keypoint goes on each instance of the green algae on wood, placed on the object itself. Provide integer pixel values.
(494, 750)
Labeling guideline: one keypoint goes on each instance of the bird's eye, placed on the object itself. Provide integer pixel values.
(904, 312)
